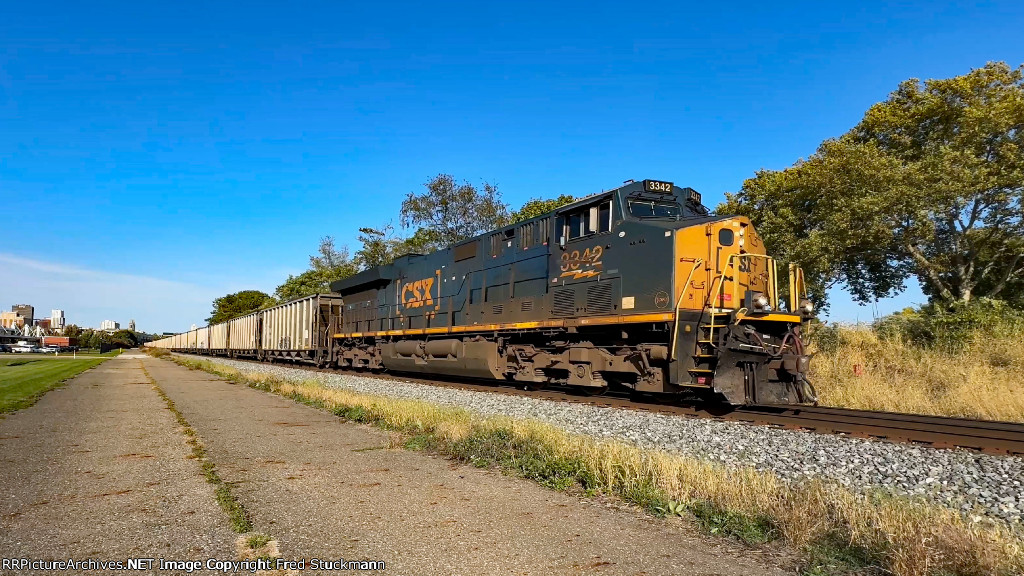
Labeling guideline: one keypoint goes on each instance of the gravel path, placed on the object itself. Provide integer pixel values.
(972, 482)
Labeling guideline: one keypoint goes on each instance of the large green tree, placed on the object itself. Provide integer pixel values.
(452, 212)
(929, 184)
(537, 206)
(329, 264)
(238, 304)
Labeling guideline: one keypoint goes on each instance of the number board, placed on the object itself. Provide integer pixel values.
(657, 186)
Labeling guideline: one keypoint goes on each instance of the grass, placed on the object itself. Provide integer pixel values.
(24, 380)
(837, 530)
(856, 368)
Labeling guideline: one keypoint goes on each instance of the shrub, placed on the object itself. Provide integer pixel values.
(952, 328)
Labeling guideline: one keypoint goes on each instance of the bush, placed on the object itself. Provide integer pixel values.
(825, 338)
(952, 328)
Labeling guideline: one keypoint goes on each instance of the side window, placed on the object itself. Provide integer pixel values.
(604, 215)
(581, 222)
(575, 225)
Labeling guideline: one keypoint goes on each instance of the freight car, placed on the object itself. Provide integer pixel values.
(639, 287)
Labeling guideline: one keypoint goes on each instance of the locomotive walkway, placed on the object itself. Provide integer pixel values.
(321, 487)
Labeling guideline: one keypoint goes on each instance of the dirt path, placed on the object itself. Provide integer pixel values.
(329, 489)
(98, 469)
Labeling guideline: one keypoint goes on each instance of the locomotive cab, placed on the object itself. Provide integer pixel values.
(732, 333)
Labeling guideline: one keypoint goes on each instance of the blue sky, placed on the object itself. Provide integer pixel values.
(171, 153)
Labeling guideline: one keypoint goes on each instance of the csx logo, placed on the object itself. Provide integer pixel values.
(416, 294)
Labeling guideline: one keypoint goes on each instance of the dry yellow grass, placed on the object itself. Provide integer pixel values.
(904, 537)
(981, 381)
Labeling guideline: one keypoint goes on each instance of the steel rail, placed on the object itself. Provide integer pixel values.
(937, 431)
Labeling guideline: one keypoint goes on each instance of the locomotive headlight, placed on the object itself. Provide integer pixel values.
(760, 301)
(806, 307)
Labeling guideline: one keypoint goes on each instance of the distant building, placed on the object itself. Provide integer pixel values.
(131, 325)
(43, 323)
(57, 320)
(110, 326)
(12, 320)
(26, 311)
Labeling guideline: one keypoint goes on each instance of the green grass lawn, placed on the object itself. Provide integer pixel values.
(24, 379)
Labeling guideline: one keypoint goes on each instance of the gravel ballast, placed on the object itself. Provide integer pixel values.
(977, 484)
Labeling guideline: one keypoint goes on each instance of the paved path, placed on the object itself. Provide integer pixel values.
(98, 469)
(328, 489)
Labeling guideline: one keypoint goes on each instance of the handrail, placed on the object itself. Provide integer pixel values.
(715, 296)
(797, 286)
(679, 302)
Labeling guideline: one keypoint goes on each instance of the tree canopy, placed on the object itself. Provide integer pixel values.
(382, 245)
(238, 304)
(537, 206)
(453, 211)
(929, 184)
(329, 264)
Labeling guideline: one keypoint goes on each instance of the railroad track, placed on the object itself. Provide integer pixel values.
(935, 431)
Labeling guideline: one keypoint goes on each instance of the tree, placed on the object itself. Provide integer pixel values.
(123, 339)
(238, 304)
(328, 265)
(72, 331)
(381, 245)
(537, 206)
(452, 212)
(378, 247)
(96, 339)
(929, 184)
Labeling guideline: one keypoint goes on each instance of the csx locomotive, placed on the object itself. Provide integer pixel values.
(638, 288)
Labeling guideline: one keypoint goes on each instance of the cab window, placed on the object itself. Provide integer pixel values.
(586, 220)
(642, 208)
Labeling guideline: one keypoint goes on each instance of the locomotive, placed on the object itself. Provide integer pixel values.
(638, 288)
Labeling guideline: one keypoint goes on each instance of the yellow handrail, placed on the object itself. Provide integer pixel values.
(797, 286)
(715, 296)
(679, 302)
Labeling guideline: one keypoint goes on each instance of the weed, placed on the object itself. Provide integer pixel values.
(746, 527)
(257, 541)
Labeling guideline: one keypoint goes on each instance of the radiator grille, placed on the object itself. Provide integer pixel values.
(599, 298)
(497, 308)
(526, 306)
(565, 302)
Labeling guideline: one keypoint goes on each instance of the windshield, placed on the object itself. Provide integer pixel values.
(655, 209)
